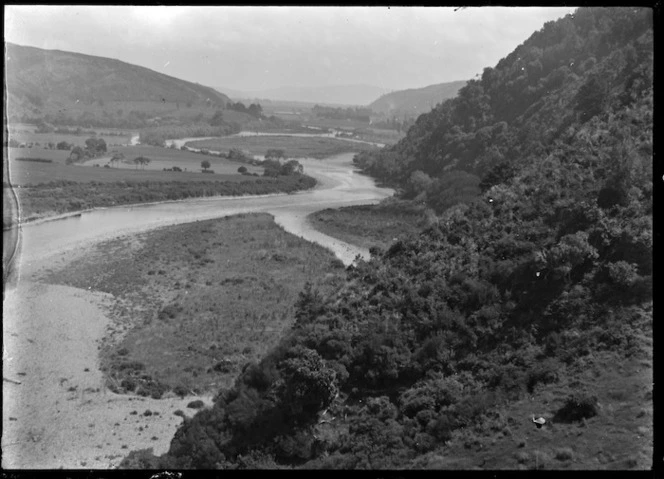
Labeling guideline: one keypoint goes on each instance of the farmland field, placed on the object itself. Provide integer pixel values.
(294, 147)
(169, 157)
(23, 173)
(27, 135)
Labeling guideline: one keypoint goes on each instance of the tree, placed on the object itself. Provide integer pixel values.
(117, 157)
(95, 146)
(217, 119)
(291, 167)
(205, 164)
(142, 160)
(77, 154)
(271, 168)
(418, 183)
(591, 97)
(307, 386)
(242, 170)
(255, 110)
(275, 154)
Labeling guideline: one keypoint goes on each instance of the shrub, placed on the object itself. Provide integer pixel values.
(180, 390)
(37, 160)
(141, 459)
(131, 365)
(169, 312)
(577, 407)
(545, 373)
(223, 366)
(564, 454)
(128, 384)
(197, 404)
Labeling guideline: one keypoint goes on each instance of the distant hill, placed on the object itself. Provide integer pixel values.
(334, 95)
(41, 81)
(415, 101)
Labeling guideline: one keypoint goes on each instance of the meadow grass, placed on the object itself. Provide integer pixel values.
(32, 173)
(196, 302)
(26, 135)
(370, 225)
(168, 157)
(620, 436)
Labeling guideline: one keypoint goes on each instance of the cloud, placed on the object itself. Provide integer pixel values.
(398, 47)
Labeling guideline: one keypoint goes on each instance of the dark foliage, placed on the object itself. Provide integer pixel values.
(577, 407)
(499, 294)
(582, 66)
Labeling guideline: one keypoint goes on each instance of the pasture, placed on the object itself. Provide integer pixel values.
(169, 157)
(27, 135)
(293, 146)
(24, 173)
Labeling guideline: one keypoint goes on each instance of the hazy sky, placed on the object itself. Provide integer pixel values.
(254, 48)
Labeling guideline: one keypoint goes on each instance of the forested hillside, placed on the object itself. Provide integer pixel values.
(532, 298)
(581, 69)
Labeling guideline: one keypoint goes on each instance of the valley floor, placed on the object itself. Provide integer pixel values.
(235, 280)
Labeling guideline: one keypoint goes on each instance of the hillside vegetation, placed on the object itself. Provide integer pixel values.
(532, 299)
(415, 101)
(571, 81)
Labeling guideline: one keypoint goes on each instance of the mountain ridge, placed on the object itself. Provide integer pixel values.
(351, 94)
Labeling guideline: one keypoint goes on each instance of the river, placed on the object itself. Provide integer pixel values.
(57, 411)
(338, 185)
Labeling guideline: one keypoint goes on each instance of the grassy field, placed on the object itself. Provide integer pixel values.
(371, 225)
(196, 302)
(23, 173)
(377, 135)
(294, 147)
(26, 134)
(619, 437)
(169, 157)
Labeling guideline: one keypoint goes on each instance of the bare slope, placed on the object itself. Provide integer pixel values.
(38, 79)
